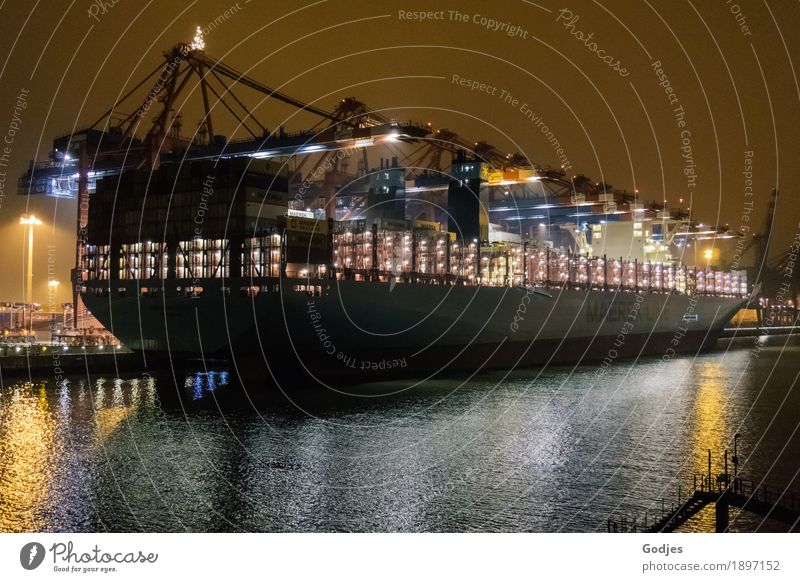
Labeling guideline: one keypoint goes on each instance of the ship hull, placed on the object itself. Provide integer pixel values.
(348, 331)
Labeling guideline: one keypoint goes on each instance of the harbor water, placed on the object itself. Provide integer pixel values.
(556, 449)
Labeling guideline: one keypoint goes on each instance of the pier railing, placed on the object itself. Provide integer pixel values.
(723, 492)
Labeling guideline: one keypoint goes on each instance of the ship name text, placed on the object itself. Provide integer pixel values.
(618, 311)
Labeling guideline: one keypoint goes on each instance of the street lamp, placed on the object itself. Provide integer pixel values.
(29, 221)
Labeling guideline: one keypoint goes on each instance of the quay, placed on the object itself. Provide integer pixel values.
(756, 331)
(21, 359)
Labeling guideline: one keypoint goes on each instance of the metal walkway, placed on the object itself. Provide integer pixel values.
(768, 502)
(746, 495)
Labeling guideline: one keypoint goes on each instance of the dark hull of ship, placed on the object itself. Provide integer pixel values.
(298, 332)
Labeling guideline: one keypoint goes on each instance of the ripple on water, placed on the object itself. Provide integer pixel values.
(556, 449)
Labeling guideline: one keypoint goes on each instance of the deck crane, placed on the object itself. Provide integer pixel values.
(138, 132)
(110, 145)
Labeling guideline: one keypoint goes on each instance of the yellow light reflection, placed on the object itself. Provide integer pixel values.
(110, 409)
(710, 426)
(711, 430)
(27, 440)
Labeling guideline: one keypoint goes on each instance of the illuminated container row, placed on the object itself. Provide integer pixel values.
(424, 253)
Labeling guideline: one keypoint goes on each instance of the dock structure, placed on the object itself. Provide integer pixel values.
(58, 359)
(724, 491)
(758, 498)
(743, 332)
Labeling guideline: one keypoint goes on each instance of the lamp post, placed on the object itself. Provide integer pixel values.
(52, 285)
(29, 221)
(735, 456)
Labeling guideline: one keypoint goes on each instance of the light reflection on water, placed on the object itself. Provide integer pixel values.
(558, 449)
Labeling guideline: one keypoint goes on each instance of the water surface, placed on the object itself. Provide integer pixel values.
(554, 449)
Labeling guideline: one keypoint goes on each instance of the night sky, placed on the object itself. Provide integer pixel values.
(588, 70)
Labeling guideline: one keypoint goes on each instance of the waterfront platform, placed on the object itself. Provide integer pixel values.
(756, 331)
(42, 358)
(20, 359)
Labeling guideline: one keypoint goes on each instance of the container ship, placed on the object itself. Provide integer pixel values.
(210, 248)
(207, 261)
